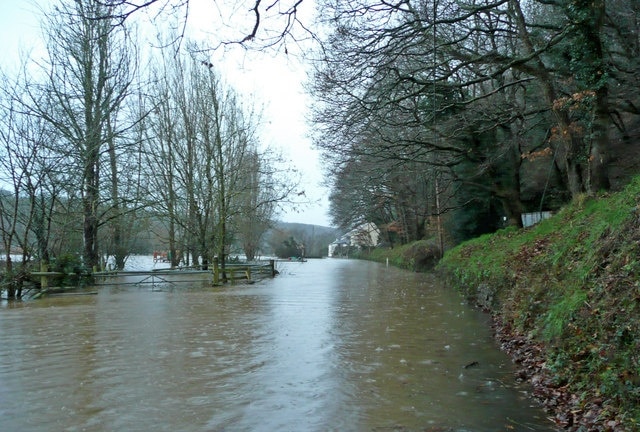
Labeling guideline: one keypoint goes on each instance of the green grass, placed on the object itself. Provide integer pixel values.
(561, 313)
(416, 256)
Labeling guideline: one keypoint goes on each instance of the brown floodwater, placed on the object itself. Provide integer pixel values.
(328, 345)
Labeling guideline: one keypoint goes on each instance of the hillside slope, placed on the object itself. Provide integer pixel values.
(565, 295)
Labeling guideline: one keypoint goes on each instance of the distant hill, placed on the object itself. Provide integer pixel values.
(295, 226)
(315, 238)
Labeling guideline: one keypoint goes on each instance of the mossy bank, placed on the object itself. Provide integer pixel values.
(565, 295)
(418, 256)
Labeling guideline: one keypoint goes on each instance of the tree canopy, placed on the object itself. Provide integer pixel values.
(514, 106)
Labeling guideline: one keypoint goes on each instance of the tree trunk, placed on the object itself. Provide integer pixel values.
(570, 145)
(599, 156)
(574, 168)
(90, 225)
(119, 248)
(11, 289)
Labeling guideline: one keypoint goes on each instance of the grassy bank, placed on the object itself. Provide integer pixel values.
(417, 256)
(570, 286)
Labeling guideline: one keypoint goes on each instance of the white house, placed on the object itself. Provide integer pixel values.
(365, 235)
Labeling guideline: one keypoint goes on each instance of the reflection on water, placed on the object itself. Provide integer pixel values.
(329, 345)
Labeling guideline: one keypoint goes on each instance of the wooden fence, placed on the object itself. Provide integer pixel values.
(230, 273)
(234, 272)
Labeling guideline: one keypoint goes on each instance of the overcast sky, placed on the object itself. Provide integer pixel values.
(274, 79)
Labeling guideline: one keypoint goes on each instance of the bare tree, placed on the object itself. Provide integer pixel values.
(163, 134)
(32, 172)
(11, 166)
(262, 24)
(210, 181)
(264, 185)
(197, 142)
(90, 71)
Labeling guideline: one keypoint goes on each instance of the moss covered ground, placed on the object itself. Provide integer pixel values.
(417, 256)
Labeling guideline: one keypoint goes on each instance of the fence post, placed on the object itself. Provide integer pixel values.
(273, 267)
(216, 271)
(44, 282)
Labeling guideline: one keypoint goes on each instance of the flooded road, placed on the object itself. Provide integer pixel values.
(329, 345)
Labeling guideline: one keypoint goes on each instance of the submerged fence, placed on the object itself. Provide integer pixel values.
(233, 272)
(216, 273)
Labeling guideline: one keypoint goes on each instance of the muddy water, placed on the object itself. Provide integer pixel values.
(329, 345)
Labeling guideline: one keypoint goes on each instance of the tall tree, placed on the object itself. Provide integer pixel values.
(199, 139)
(89, 72)
(30, 173)
(265, 184)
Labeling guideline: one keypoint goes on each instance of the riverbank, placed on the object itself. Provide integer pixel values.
(565, 297)
(418, 256)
